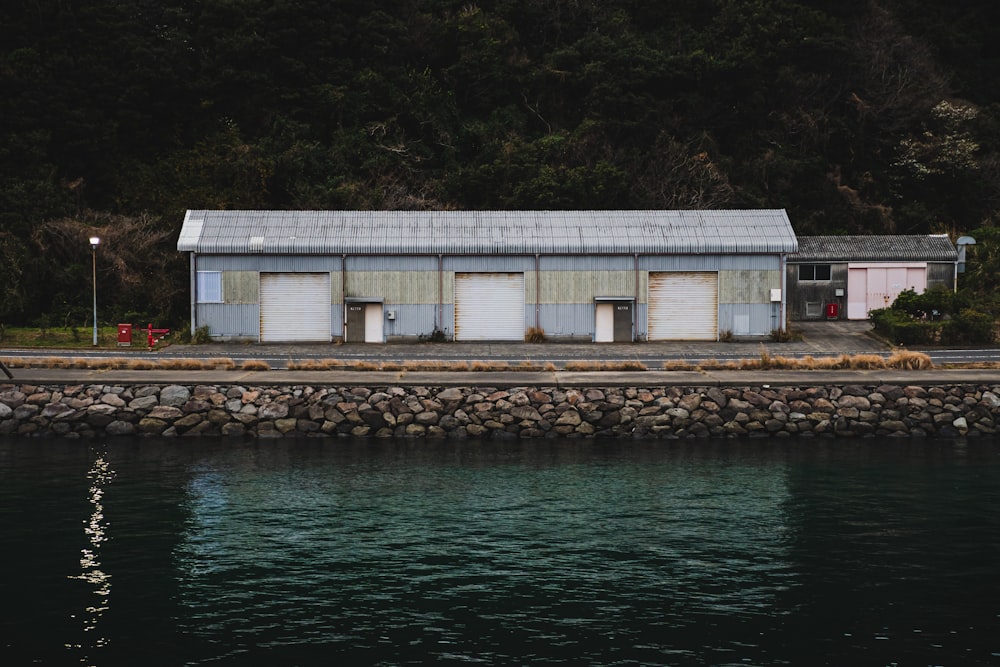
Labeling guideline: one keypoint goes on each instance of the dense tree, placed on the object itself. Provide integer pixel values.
(855, 115)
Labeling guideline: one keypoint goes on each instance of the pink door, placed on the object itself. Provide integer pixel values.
(857, 290)
(873, 287)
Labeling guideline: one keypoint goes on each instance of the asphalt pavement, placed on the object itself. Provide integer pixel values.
(818, 339)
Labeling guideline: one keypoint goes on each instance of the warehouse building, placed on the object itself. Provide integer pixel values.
(377, 276)
(845, 277)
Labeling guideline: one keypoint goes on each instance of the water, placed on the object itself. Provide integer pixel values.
(318, 553)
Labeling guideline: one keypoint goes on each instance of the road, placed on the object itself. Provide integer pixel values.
(653, 356)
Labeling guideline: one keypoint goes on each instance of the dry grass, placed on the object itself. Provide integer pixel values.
(368, 366)
(866, 362)
(903, 360)
(181, 365)
(534, 335)
(583, 366)
(912, 361)
(308, 365)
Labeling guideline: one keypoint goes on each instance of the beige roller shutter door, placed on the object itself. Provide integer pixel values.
(295, 307)
(489, 306)
(684, 305)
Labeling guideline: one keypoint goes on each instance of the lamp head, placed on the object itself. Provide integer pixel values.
(95, 241)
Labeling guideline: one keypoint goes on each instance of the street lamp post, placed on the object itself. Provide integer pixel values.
(94, 242)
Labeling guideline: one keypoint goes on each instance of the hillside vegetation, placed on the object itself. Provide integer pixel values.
(855, 116)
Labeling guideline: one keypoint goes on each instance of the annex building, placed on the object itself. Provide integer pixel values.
(377, 276)
(845, 277)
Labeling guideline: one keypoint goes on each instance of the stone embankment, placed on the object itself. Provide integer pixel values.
(96, 410)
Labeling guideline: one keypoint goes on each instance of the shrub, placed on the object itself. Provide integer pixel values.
(436, 336)
(970, 326)
(201, 336)
(534, 335)
(785, 335)
(900, 327)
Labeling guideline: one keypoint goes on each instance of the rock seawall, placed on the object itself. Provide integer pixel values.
(96, 410)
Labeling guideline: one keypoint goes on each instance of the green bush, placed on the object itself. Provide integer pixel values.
(903, 329)
(201, 336)
(935, 302)
(970, 326)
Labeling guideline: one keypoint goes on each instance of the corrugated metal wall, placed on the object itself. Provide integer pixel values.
(940, 275)
(394, 263)
(709, 263)
(747, 286)
(240, 287)
(577, 263)
(490, 264)
(412, 287)
(568, 287)
(744, 319)
(410, 320)
(398, 287)
(269, 263)
(230, 321)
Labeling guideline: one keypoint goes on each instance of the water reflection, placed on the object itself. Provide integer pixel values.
(95, 528)
(847, 552)
(478, 560)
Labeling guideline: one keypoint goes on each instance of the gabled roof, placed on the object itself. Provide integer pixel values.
(486, 232)
(876, 248)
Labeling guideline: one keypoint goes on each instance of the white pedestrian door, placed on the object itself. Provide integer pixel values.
(373, 323)
(489, 306)
(684, 305)
(605, 325)
(295, 307)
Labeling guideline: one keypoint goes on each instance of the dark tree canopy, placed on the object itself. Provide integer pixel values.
(860, 116)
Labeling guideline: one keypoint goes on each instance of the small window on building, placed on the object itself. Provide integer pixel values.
(813, 309)
(809, 272)
(210, 287)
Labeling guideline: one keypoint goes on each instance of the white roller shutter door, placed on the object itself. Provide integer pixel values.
(489, 306)
(295, 307)
(684, 306)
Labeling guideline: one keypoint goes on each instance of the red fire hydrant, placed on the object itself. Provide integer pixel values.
(154, 336)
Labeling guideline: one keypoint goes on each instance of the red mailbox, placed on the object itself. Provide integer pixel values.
(124, 335)
(832, 311)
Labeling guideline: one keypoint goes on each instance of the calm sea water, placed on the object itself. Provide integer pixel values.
(603, 553)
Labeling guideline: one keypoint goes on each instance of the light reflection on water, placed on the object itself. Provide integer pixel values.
(95, 528)
(861, 552)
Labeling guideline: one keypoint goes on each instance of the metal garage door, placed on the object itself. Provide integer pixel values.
(295, 307)
(489, 306)
(684, 306)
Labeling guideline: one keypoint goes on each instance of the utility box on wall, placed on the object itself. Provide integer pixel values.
(832, 311)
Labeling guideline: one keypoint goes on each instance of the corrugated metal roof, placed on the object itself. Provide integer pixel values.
(486, 232)
(875, 248)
